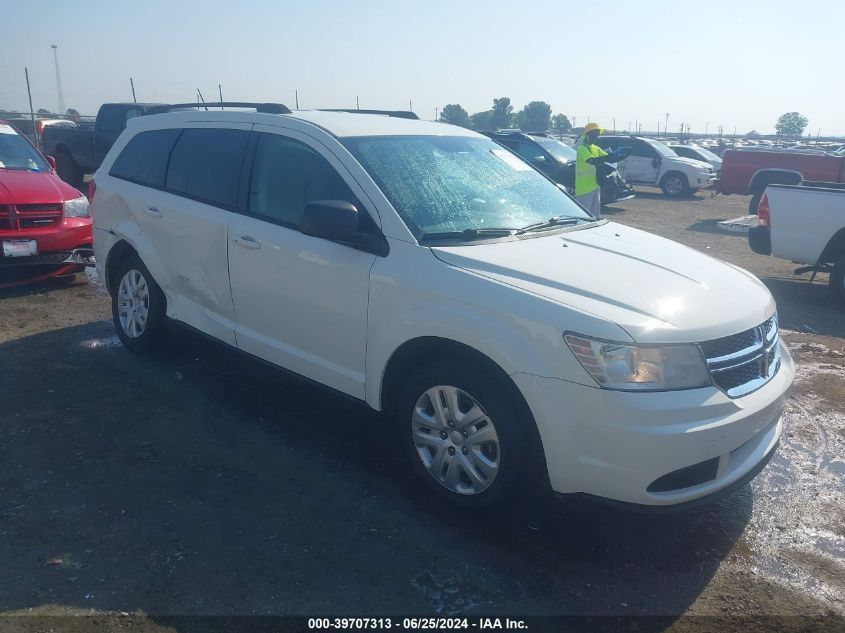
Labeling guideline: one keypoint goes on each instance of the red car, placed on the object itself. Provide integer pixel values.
(45, 226)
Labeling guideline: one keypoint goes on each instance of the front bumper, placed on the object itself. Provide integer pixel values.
(703, 181)
(658, 448)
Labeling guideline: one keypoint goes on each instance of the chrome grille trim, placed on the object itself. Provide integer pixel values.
(741, 371)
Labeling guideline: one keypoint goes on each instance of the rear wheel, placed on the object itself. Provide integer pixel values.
(465, 438)
(837, 279)
(138, 306)
(674, 184)
(68, 170)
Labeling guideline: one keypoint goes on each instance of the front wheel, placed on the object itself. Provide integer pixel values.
(837, 279)
(138, 306)
(467, 441)
(674, 184)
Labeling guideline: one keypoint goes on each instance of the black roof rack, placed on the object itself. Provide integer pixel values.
(399, 114)
(269, 108)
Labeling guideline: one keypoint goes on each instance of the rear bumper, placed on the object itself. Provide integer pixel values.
(659, 448)
(760, 240)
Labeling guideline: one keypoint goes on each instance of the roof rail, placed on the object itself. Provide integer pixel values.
(269, 108)
(399, 114)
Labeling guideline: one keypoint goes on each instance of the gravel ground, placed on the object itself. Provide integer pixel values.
(197, 482)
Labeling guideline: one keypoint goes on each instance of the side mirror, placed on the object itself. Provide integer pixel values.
(330, 219)
(539, 160)
(337, 220)
(52, 162)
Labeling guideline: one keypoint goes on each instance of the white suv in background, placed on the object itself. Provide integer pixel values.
(422, 269)
(653, 163)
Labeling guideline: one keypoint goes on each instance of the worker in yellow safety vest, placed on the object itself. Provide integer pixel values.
(588, 156)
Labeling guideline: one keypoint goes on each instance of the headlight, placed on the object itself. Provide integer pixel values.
(76, 208)
(640, 368)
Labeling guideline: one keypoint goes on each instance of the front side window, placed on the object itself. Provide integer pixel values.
(206, 165)
(16, 152)
(287, 175)
(454, 183)
(144, 159)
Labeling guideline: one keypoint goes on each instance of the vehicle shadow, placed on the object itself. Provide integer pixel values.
(656, 194)
(803, 306)
(198, 481)
(712, 226)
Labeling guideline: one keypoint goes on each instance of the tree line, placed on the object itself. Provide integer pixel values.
(534, 117)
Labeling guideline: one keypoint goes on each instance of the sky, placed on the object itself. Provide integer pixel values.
(737, 64)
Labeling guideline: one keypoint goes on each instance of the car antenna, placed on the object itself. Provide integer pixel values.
(199, 94)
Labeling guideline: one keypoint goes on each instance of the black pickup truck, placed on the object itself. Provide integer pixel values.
(79, 151)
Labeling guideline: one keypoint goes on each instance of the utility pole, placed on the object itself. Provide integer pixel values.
(614, 125)
(58, 79)
(666, 125)
(220, 92)
(132, 85)
(658, 128)
(410, 106)
(31, 111)
(357, 104)
(435, 114)
(296, 96)
(706, 126)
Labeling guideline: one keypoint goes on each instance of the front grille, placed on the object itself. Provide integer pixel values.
(744, 362)
(35, 216)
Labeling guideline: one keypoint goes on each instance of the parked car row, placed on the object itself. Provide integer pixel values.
(434, 276)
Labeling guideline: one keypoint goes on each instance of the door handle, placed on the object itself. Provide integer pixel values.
(247, 241)
(153, 211)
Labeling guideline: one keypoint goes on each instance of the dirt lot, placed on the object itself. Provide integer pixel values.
(198, 482)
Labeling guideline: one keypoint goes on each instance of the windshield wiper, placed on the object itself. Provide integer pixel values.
(467, 234)
(555, 221)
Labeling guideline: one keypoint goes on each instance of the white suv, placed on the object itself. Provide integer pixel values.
(652, 163)
(517, 342)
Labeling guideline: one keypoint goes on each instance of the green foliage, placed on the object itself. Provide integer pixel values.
(43, 111)
(791, 124)
(453, 113)
(482, 120)
(535, 117)
(561, 124)
(502, 113)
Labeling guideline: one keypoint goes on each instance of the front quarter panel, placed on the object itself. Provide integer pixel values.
(413, 294)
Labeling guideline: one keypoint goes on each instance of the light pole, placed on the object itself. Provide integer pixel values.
(58, 79)
(666, 125)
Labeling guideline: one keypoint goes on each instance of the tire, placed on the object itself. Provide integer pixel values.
(837, 280)
(138, 306)
(502, 466)
(674, 184)
(68, 170)
(755, 202)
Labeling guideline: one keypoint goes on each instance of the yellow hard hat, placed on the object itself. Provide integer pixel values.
(592, 126)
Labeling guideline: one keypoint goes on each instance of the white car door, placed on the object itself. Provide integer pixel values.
(186, 221)
(301, 302)
(640, 166)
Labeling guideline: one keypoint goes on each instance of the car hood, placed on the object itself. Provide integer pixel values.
(697, 164)
(33, 187)
(657, 290)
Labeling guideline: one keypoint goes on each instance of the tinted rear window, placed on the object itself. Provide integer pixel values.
(144, 159)
(206, 165)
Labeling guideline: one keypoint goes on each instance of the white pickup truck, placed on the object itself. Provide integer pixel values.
(804, 223)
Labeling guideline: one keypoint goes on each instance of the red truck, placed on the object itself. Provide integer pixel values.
(749, 172)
